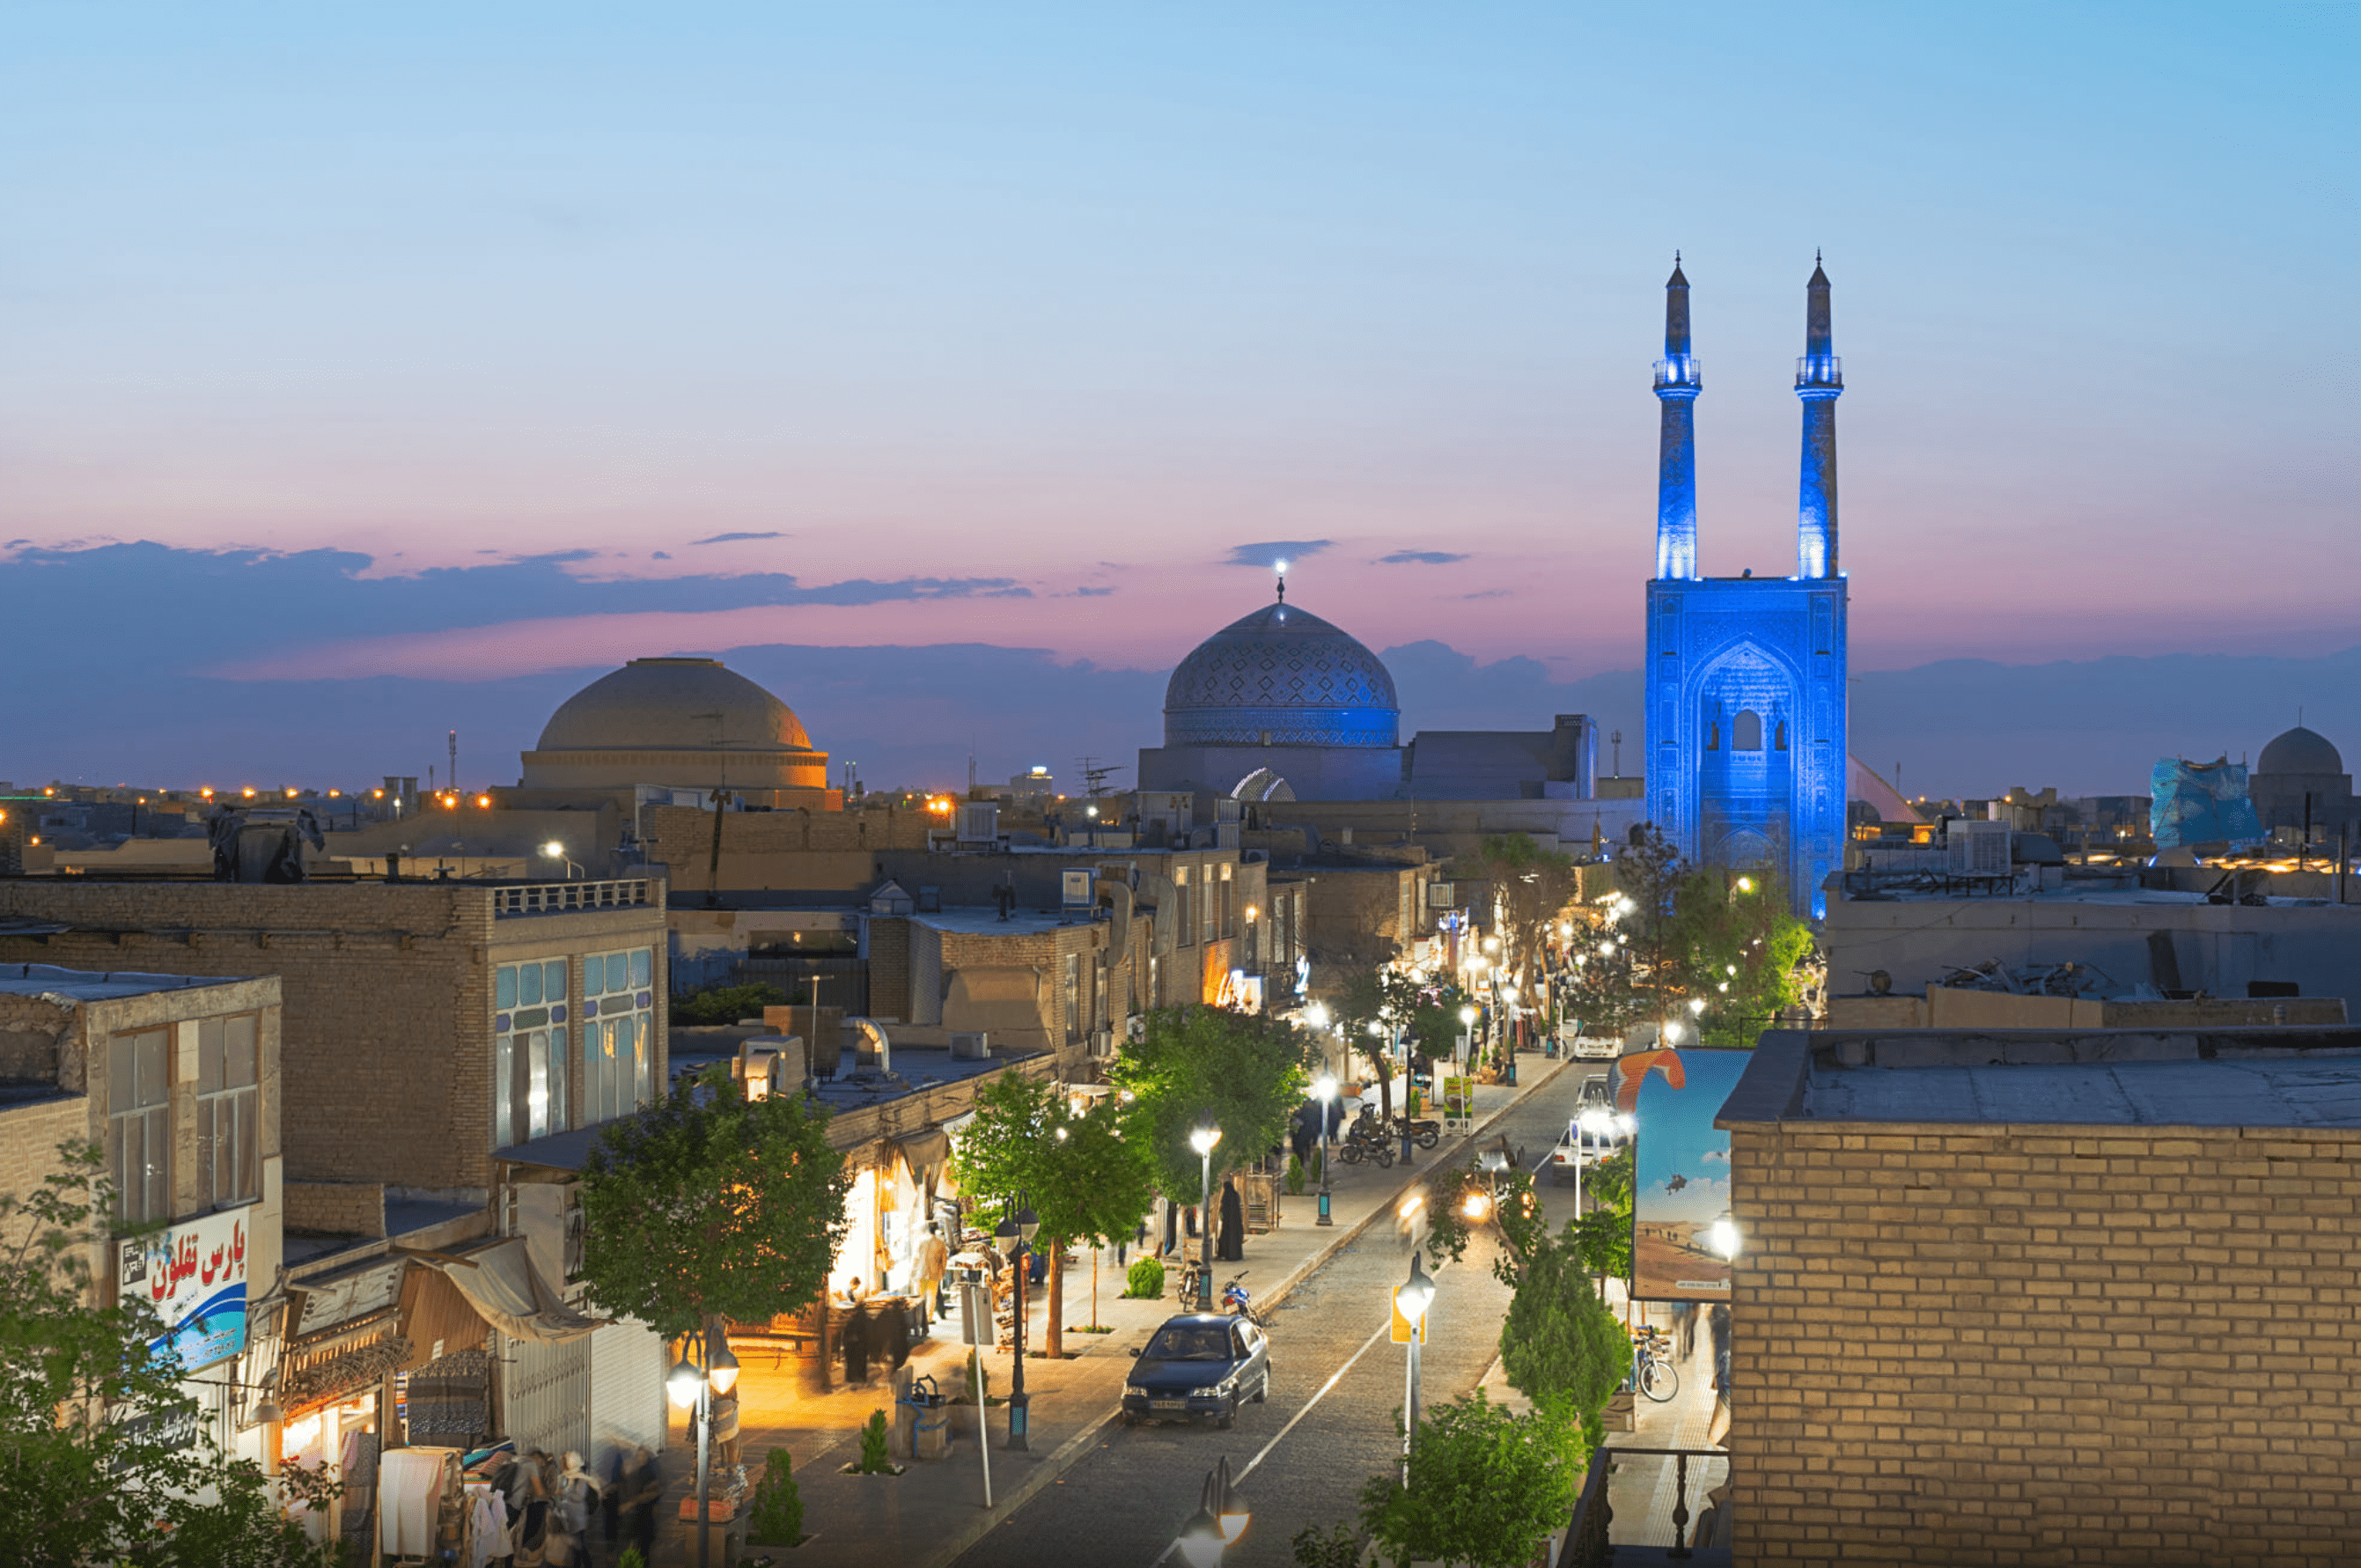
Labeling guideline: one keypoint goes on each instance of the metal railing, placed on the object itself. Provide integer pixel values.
(1819, 370)
(1589, 1540)
(565, 897)
(1680, 371)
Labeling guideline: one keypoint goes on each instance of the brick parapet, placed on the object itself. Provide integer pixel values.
(2044, 1344)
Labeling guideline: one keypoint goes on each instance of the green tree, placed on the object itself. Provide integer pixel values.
(88, 1474)
(1739, 945)
(1485, 1485)
(709, 1205)
(1603, 1235)
(1531, 887)
(1083, 1179)
(1559, 1345)
(1247, 1072)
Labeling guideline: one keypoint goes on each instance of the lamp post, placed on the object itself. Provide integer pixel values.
(1220, 1517)
(1015, 1233)
(692, 1388)
(1324, 1092)
(556, 851)
(1202, 1140)
(1410, 1300)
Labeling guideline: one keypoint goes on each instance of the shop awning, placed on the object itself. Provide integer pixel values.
(925, 1151)
(500, 1282)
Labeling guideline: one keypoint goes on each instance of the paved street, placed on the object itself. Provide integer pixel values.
(1129, 1496)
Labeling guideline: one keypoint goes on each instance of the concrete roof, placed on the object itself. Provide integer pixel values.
(88, 985)
(986, 921)
(2292, 1077)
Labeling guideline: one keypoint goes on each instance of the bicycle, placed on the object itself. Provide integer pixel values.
(1652, 1377)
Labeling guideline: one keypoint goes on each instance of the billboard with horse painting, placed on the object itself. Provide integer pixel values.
(1681, 1238)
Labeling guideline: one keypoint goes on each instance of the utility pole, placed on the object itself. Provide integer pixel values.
(455, 759)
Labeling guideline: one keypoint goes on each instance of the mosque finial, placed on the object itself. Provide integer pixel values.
(1282, 581)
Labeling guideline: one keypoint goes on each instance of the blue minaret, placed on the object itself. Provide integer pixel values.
(1678, 383)
(1820, 382)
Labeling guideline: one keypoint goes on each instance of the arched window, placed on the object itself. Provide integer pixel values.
(1779, 739)
(1746, 731)
(1713, 734)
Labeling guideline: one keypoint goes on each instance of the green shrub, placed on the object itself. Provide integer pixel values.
(776, 1518)
(726, 1003)
(1143, 1280)
(1318, 1171)
(630, 1559)
(874, 1459)
(1295, 1173)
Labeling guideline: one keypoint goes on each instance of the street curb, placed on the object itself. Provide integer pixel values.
(1070, 1452)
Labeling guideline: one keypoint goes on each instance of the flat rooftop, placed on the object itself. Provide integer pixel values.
(91, 985)
(2294, 1077)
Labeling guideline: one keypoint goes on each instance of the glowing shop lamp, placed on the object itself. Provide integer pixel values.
(680, 1383)
(1204, 1139)
(724, 1373)
(1723, 1237)
(1466, 1018)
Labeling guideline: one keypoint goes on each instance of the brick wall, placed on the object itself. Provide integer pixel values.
(335, 1207)
(804, 849)
(2005, 1346)
(387, 1053)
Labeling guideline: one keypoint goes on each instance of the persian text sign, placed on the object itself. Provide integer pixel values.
(1681, 1186)
(193, 1274)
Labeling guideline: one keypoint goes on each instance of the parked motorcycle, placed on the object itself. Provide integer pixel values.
(1236, 1300)
(1365, 1141)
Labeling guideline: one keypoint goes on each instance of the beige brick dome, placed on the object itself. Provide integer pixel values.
(676, 721)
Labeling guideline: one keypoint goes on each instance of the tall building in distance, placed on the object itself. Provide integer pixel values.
(1746, 676)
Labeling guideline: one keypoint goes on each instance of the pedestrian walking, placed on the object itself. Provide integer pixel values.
(577, 1504)
(1230, 1241)
(642, 1490)
(933, 1259)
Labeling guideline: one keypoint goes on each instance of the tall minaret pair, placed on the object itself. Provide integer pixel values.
(1820, 382)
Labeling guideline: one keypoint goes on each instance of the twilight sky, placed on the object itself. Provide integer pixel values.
(578, 332)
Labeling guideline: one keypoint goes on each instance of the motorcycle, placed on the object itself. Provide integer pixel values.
(1425, 1132)
(1236, 1300)
(1364, 1142)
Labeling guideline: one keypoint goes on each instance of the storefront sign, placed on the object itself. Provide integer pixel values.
(1680, 1209)
(193, 1274)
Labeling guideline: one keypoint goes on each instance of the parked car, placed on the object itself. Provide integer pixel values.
(1581, 1147)
(1588, 1047)
(1197, 1365)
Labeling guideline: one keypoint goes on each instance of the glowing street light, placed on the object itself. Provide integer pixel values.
(1324, 1089)
(1411, 1299)
(1202, 1140)
(556, 851)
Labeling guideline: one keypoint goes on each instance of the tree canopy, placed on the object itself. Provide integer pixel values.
(1485, 1486)
(88, 1472)
(1083, 1178)
(1707, 949)
(1248, 1072)
(709, 1204)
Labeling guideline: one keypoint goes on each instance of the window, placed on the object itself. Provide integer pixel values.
(529, 1032)
(1184, 929)
(1229, 903)
(1781, 742)
(229, 1063)
(139, 1125)
(1208, 914)
(1746, 731)
(1073, 996)
(618, 1033)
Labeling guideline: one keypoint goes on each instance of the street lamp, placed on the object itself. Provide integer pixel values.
(692, 1388)
(1410, 1300)
(1015, 1235)
(556, 851)
(1324, 1091)
(1202, 1140)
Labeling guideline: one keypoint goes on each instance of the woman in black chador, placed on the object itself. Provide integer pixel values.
(1230, 1241)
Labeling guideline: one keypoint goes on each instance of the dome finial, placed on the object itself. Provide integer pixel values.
(1281, 567)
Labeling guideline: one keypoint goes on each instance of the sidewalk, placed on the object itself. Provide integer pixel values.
(933, 1512)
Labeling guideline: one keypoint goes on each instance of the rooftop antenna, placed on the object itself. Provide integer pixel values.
(1095, 774)
(455, 759)
(971, 766)
(1282, 581)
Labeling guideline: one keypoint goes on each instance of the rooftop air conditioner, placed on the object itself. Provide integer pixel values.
(1103, 1042)
(1978, 849)
(970, 1045)
(979, 822)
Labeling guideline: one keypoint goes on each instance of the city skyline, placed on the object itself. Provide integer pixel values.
(1038, 334)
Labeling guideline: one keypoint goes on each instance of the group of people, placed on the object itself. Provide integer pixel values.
(551, 1507)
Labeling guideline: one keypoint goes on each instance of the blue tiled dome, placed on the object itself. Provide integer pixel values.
(1281, 676)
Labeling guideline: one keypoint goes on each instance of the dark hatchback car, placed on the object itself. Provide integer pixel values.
(1199, 1363)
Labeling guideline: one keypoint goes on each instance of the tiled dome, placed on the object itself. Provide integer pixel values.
(1281, 676)
(2300, 751)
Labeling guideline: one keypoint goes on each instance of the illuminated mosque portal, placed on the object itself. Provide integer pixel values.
(1746, 676)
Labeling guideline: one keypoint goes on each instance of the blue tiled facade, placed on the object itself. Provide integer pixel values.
(1747, 759)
